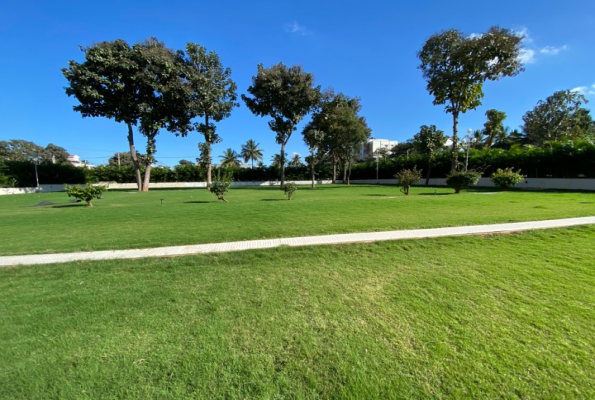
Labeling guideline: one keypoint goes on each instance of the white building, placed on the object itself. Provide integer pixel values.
(75, 160)
(369, 149)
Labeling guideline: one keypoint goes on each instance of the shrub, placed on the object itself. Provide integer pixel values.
(506, 178)
(461, 179)
(288, 188)
(408, 177)
(220, 184)
(86, 193)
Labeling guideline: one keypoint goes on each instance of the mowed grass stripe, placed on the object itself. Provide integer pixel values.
(497, 316)
(125, 220)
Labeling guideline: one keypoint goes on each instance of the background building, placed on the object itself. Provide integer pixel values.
(370, 148)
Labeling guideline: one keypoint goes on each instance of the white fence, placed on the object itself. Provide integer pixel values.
(528, 183)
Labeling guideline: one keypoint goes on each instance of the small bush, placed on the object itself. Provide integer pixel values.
(461, 179)
(220, 184)
(86, 193)
(408, 177)
(506, 178)
(288, 188)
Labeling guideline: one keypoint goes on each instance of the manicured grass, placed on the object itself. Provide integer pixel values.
(502, 316)
(135, 220)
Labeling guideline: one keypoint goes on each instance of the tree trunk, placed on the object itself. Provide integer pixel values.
(208, 162)
(429, 172)
(137, 175)
(282, 159)
(348, 172)
(313, 172)
(147, 178)
(334, 169)
(455, 139)
(209, 170)
(151, 149)
(89, 203)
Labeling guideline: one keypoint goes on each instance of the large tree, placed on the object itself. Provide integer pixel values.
(164, 94)
(287, 95)
(558, 117)
(251, 152)
(456, 66)
(344, 131)
(212, 96)
(313, 137)
(138, 85)
(427, 141)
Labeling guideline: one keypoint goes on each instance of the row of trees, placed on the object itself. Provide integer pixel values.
(152, 87)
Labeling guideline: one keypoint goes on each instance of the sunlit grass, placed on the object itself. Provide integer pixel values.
(135, 220)
(501, 316)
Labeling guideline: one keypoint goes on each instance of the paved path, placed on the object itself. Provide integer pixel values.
(297, 241)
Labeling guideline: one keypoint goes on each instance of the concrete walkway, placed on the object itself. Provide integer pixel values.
(6, 261)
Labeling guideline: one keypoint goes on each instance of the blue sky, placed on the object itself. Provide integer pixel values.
(361, 48)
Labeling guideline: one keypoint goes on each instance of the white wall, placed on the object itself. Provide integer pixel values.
(529, 183)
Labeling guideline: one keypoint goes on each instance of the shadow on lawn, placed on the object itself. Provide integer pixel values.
(434, 194)
(199, 202)
(70, 205)
(272, 199)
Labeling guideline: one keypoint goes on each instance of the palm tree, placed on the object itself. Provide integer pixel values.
(229, 158)
(276, 160)
(250, 151)
(296, 161)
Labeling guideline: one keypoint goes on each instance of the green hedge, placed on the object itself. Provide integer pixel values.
(48, 173)
(555, 160)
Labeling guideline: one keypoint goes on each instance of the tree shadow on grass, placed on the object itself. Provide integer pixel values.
(70, 205)
(50, 203)
(272, 199)
(199, 202)
(375, 195)
(434, 194)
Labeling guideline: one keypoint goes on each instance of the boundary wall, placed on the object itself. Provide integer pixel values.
(527, 184)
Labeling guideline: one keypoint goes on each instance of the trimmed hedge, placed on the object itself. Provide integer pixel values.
(555, 160)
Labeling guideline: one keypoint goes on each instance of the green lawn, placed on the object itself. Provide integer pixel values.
(135, 220)
(497, 316)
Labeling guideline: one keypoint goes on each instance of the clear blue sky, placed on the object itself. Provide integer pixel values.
(361, 48)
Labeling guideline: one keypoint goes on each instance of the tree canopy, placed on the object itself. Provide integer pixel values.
(23, 150)
(456, 66)
(251, 152)
(286, 95)
(120, 159)
(230, 158)
(427, 141)
(493, 129)
(139, 85)
(558, 117)
(336, 130)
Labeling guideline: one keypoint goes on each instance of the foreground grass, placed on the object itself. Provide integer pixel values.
(504, 316)
(135, 220)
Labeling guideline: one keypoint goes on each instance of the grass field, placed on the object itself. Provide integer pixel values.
(124, 220)
(498, 316)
